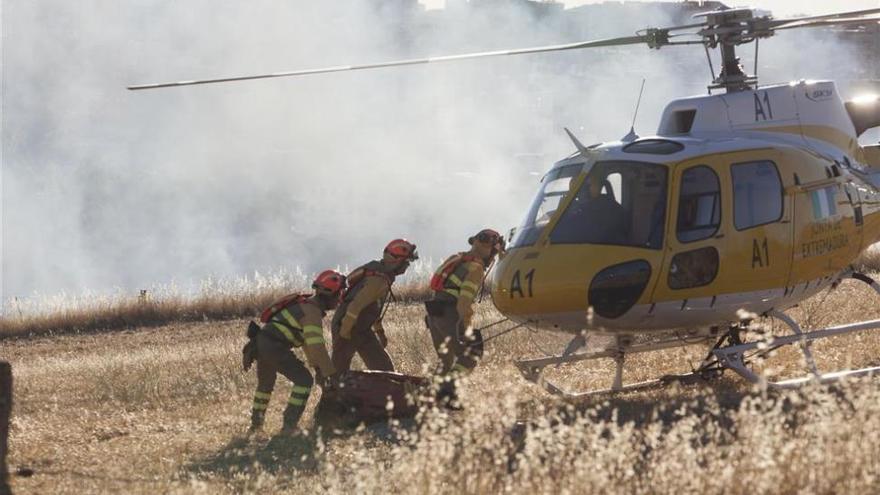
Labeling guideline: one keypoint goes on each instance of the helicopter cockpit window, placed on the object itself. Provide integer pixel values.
(757, 194)
(620, 203)
(554, 188)
(699, 204)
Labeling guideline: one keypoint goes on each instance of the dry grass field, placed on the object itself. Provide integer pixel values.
(163, 409)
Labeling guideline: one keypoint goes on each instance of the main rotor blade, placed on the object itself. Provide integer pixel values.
(838, 15)
(629, 40)
(829, 22)
(789, 24)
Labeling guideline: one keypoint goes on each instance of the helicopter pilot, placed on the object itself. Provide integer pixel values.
(606, 218)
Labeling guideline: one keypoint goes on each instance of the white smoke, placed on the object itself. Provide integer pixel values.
(106, 188)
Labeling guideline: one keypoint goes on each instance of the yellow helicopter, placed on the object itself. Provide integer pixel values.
(747, 201)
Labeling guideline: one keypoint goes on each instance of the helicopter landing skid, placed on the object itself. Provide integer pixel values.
(736, 357)
(532, 369)
(729, 353)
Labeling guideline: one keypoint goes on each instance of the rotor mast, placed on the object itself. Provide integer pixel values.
(725, 29)
(732, 77)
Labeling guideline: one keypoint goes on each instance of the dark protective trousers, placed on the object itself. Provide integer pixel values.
(363, 342)
(447, 334)
(274, 357)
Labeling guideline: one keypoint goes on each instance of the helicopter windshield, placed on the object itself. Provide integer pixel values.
(554, 187)
(621, 203)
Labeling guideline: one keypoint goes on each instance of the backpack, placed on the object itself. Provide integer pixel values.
(438, 281)
(355, 278)
(280, 304)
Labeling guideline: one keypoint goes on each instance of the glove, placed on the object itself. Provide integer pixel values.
(474, 344)
(329, 380)
(248, 354)
(330, 385)
(465, 327)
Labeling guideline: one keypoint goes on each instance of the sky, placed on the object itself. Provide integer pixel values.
(105, 189)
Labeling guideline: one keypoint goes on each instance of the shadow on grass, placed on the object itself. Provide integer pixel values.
(714, 403)
(716, 408)
(286, 454)
(279, 454)
(665, 403)
(668, 408)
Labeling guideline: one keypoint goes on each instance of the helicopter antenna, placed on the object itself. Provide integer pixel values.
(757, 41)
(638, 104)
(632, 136)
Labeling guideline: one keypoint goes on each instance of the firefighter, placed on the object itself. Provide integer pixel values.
(456, 284)
(295, 321)
(357, 324)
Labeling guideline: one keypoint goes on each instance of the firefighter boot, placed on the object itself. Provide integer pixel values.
(258, 412)
(291, 419)
(258, 417)
(447, 396)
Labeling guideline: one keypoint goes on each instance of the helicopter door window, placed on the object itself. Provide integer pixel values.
(757, 194)
(693, 268)
(699, 204)
(620, 203)
(824, 203)
(554, 188)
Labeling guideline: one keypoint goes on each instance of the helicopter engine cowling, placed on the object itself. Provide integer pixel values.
(864, 113)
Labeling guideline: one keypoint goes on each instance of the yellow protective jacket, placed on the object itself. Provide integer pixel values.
(300, 325)
(367, 294)
(462, 284)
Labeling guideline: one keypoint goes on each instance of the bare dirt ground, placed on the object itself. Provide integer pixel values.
(164, 410)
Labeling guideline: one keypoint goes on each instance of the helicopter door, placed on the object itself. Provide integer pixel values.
(759, 243)
(729, 233)
(695, 247)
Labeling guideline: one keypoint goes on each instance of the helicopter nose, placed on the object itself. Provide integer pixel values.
(614, 290)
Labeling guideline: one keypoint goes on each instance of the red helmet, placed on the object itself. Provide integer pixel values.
(329, 282)
(402, 249)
